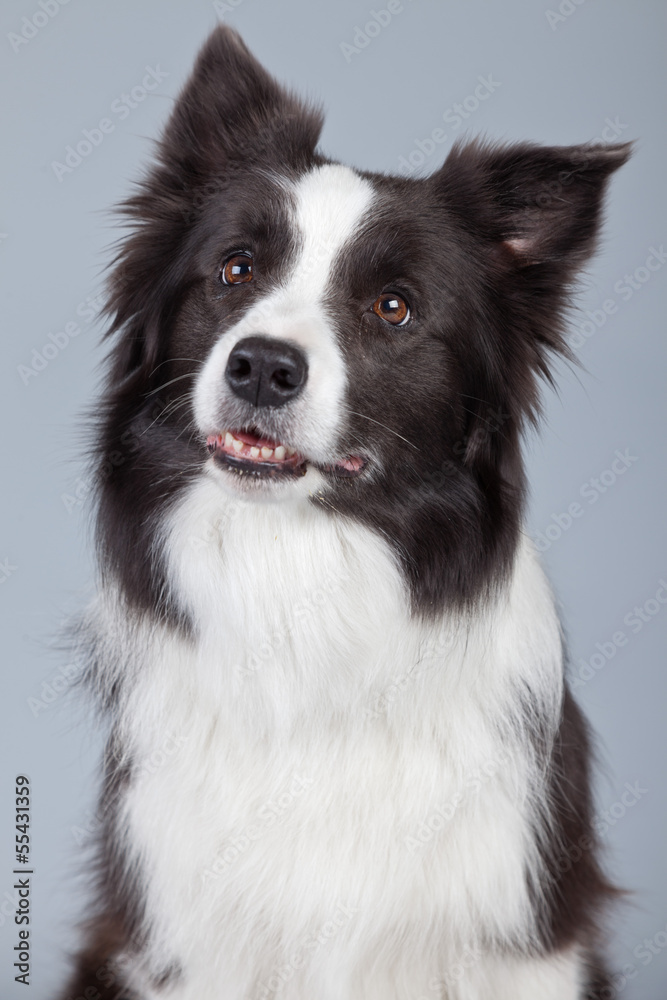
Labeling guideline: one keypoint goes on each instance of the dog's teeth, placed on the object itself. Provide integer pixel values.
(279, 452)
(267, 452)
(237, 445)
(229, 440)
(290, 451)
(254, 452)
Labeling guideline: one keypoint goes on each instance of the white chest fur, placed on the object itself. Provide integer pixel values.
(332, 798)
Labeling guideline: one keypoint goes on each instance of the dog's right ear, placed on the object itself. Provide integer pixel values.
(230, 114)
(230, 111)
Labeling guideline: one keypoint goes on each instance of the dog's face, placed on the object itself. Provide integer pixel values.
(326, 318)
(316, 334)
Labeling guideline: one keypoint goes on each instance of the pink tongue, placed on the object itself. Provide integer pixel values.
(254, 441)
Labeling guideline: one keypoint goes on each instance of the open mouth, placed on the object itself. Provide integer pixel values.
(248, 452)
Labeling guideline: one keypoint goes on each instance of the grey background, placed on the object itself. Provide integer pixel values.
(560, 80)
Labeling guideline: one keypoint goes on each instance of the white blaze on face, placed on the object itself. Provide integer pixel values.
(329, 204)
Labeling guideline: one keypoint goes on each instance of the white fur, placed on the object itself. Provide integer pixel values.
(328, 205)
(556, 977)
(294, 733)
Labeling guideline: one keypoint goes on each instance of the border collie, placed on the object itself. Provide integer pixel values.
(343, 760)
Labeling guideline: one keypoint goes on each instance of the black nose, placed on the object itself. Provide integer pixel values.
(266, 372)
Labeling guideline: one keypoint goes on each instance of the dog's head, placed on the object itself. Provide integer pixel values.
(310, 333)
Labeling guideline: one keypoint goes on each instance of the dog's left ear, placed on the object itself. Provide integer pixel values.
(531, 215)
(535, 204)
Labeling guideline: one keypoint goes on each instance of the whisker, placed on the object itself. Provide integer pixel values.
(180, 399)
(192, 428)
(466, 395)
(196, 361)
(380, 424)
(171, 382)
(175, 404)
(486, 420)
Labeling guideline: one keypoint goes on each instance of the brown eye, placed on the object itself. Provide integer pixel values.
(237, 269)
(392, 308)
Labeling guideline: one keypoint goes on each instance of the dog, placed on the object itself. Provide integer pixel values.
(343, 761)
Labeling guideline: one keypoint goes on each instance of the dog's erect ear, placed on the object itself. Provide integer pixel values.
(230, 110)
(230, 115)
(531, 215)
(540, 203)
